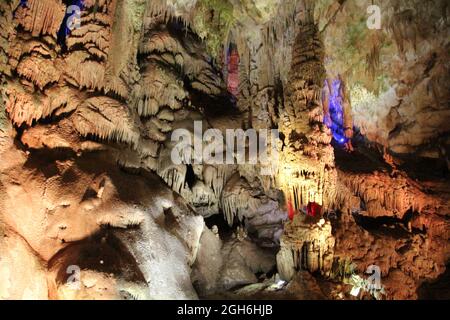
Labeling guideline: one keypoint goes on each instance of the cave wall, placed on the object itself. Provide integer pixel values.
(86, 151)
(396, 74)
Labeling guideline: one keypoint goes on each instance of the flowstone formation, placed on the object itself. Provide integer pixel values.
(306, 170)
(305, 246)
(328, 148)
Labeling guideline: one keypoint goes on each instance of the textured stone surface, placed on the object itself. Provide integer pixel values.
(305, 245)
(87, 178)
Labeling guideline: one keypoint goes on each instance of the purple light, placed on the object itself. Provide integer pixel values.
(334, 120)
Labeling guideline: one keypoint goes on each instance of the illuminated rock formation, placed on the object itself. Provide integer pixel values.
(93, 204)
(305, 246)
(306, 170)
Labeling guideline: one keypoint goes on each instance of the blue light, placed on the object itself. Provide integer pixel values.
(334, 120)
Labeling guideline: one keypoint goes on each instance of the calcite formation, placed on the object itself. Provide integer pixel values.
(383, 195)
(305, 246)
(396, 73)
(306, 171)
(94, 206)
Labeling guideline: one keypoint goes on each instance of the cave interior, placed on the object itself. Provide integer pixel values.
(224, 149)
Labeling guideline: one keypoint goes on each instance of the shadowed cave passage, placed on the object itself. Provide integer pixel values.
(436, 290)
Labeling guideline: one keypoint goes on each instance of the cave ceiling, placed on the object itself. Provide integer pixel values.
(93, 92)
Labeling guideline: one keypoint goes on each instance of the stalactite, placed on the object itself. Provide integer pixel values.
(403, 29)
(88, 34)
(169, 11)
(162, 48)
(41, 16)
(89, 75)
(174, 176)
(23, 107)
(373, 57)
(233, 206)
(202, 198)
(385, 196)
(162, 125)
(121, 68)
(216, 177)
(39, 71)
(236, 200)
(148, 147)
(305, 246)
(107, 119)
(153, 132)
(158, 87)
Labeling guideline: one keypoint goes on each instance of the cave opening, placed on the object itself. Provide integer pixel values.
(390, 226)
(225, 231)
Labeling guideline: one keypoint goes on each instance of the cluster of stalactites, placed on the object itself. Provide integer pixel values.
(302, 187)
(204, 190)
(268, 43)
(236, 204)
(41, 16)
(41, 68)
(168, 10)
(385, 196)
(157, 88)
(108, 120)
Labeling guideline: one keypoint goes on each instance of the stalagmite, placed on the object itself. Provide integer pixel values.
(305, 246)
